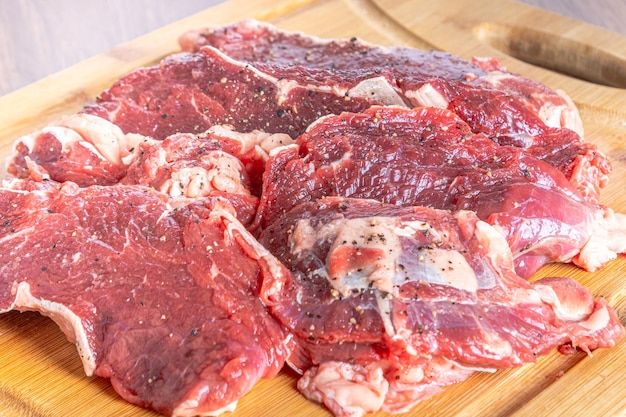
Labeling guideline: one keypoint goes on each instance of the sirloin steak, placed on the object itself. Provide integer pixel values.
(430, 157)
(388, 304)
(190, 92)
(162, 301)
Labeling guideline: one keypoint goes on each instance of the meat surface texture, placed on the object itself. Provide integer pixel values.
(120, 272)
(511, 109)
(400, 301)
(429, 157)
(190, 92)
(84, 149)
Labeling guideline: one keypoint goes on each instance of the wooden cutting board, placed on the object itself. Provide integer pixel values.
(40, 373)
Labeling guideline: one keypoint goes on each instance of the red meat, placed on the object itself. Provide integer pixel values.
(509, 108)
(430, 157)
(401, 301)
(162, 301)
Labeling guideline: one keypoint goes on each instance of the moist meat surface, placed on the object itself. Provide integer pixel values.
(429, 157)
(410, 290)
(509, 108)
(120, 271)
(189, 93)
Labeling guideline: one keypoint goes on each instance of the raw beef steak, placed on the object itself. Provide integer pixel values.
(397, 302)
(511, 109)
(430, 157)
(130, 223)
(162, 301)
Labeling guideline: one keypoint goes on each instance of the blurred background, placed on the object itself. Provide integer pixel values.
(41, 37)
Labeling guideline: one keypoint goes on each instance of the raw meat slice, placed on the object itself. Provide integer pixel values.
(582, 163)
(218, 162)
(80, 148)
(509, 108)
(419, 78)
(189, 93)
(162, 301)
(186, 167)
(351, 390)
(553, 107)
(418, 297)
(430, 157)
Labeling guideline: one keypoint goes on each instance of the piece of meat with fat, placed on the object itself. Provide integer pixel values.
(398, 302)
(509, 108)
(84, 149)
(185, 167)
(219, 162)
(190, 92)
(430, 157)
(119, 270)
(402, 76)
(88, 150)
(352, 390)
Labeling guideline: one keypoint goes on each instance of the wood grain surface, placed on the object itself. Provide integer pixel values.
(40, 373)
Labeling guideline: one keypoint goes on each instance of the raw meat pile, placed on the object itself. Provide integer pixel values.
(369, 216)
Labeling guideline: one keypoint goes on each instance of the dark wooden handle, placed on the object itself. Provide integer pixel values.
(584, 60)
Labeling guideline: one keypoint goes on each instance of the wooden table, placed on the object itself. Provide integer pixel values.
(40, 37)
(40, 373)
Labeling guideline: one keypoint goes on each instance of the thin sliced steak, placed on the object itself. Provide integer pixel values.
(400, 301)
(189, 93)
(162, 301)
(430, 157)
